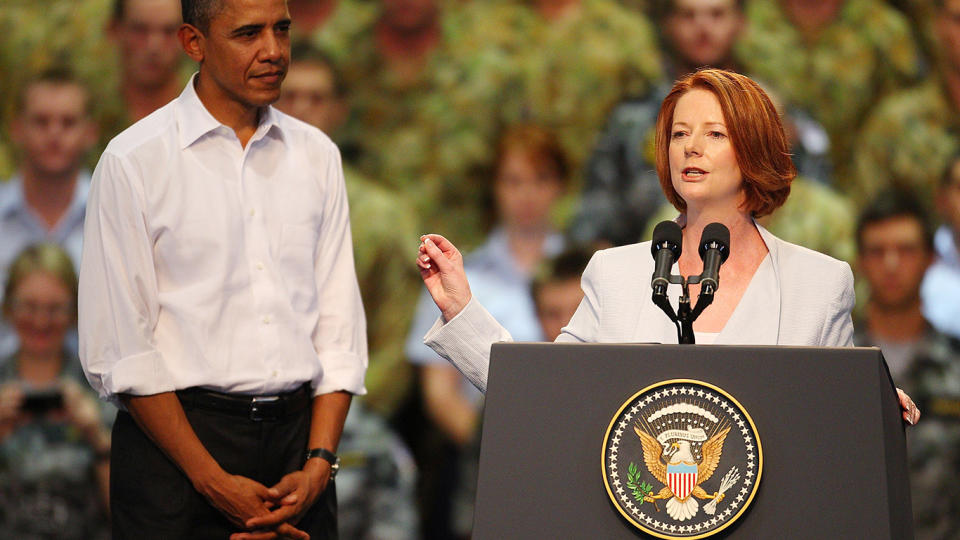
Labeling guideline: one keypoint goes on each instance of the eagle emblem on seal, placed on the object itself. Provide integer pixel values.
(669, 458)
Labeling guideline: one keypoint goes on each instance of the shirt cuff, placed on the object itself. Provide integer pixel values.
(465, 341)
(341, 371)
(143, 374)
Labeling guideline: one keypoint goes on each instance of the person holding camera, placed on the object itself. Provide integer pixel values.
(54, 444)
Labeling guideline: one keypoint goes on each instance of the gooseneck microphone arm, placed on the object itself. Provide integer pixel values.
(666, 248)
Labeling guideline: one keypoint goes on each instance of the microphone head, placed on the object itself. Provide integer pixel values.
(667, 234)
(715, 236)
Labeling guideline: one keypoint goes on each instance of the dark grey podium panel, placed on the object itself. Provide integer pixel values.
(834, 453)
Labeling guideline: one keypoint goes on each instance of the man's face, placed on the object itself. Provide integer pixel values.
(948, 32)
(556, 303)
(246, 51)
(409, 15)
(703, 31)
(147, 39)
(54, 131)
(309, 94)
(893, 259)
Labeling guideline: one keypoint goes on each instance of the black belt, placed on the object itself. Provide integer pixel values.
(255, 408)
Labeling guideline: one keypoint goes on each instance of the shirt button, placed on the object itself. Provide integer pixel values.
(274, 374)
(266, 319)
(259, 266)
(253, 212)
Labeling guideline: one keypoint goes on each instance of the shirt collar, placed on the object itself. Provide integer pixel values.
(944, 246)
(195, 121)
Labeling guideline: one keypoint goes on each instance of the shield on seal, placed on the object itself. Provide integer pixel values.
(681, 479)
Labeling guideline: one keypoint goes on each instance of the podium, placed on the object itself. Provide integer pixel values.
(834, 451)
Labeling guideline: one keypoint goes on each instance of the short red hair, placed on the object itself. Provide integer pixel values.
(755, 131)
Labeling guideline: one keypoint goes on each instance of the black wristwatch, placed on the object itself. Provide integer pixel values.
(327, 455)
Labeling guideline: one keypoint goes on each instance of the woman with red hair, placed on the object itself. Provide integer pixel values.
(722, 156)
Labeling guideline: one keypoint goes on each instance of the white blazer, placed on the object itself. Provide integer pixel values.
(807, 303)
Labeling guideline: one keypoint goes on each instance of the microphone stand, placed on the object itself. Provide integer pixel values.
(684, 316)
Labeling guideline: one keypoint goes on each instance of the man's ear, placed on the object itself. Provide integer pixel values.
(191, 39)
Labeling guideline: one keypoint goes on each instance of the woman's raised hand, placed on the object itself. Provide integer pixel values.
(441, 267)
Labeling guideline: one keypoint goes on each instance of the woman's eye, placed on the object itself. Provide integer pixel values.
(678, 134)
(717, 134)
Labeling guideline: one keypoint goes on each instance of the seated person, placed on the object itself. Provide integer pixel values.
(54, 444)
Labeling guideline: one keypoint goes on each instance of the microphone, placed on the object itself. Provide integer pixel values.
(714, 250)
(666, 248)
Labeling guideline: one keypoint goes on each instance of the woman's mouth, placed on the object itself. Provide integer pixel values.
(693, 173)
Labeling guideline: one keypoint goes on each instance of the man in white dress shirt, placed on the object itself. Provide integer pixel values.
(218, 300)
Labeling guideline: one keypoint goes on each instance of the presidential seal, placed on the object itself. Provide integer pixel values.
(681, 459)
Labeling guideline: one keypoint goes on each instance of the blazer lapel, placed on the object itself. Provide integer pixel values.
(756, 319)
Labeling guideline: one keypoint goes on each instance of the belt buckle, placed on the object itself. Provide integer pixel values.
(264, 408)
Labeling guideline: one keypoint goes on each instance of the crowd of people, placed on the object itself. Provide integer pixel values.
(525, 130)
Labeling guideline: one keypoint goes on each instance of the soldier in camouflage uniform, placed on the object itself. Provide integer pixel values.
(911, 136)
(894, 249)
(382, 223)
(574, 65)
(423, 109)
(833, 58)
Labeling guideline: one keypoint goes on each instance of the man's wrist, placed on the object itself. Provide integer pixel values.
(322, 454)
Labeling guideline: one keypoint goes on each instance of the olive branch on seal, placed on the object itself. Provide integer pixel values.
(639, 489)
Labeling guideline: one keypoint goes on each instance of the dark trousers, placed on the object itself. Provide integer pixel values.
(151, 498)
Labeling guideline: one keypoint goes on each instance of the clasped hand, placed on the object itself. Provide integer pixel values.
(270, 513)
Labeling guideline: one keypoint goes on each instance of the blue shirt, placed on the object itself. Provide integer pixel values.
(500, 285)
(940, 290)
(21, 227)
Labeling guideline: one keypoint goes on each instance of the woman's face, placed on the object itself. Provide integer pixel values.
(703, 166)
(41, 311)
(524, 192)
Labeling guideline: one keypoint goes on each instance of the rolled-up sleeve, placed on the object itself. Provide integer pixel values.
(118, 305)
(340, 336)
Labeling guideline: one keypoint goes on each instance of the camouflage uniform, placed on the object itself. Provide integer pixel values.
(385, 235)
(814, 216)
(837, 75)
(910, 138)
(375, 485)
(425, 137)
(572, 72)
(48, 487)
(350, 22)
(933, 445)
(622, 189)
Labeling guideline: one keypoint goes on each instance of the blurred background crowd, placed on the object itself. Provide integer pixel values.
(523, 130)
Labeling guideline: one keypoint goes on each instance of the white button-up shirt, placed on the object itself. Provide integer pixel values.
(209, 264)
